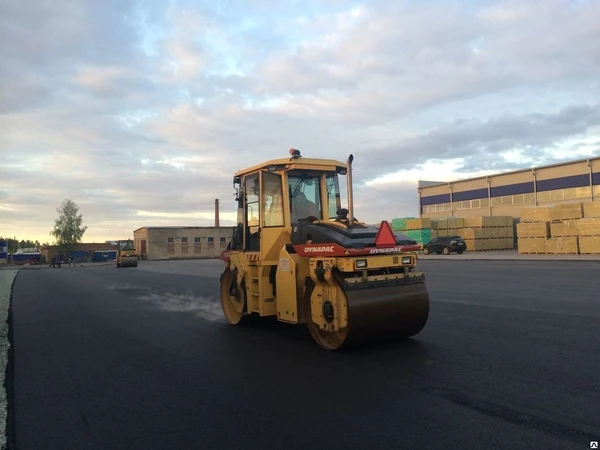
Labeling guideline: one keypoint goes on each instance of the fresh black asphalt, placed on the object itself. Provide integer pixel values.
(107, 358)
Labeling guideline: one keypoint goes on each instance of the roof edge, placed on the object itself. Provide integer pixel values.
(512, 172)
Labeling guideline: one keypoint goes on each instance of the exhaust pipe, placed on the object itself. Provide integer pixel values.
(349, 188)
(217, 212)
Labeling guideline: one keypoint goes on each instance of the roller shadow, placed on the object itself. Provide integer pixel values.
(256, 328)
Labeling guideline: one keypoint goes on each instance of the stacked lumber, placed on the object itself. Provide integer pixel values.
(479, 233)
(532, 236)
(399, 223)
(447, 226)
(591, 210)
(572, 228)
(589, 245)
(531, 245)
(488, 233)
(418, 230)
(585, 231)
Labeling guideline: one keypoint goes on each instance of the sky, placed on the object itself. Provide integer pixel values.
(141, 111)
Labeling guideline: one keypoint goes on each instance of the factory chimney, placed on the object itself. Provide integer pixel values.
(216, 212)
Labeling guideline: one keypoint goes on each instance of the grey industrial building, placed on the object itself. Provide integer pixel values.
(156, 243)
(505, 194)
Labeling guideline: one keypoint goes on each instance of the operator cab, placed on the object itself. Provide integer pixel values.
(280, 193)
(126, 245)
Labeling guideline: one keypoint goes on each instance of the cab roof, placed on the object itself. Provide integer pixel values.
(295, 163)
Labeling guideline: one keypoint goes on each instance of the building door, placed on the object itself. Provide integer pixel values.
(143, 249)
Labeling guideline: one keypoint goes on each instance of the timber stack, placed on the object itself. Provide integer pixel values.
(570, 228)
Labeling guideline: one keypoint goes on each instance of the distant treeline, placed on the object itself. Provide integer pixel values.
(13, 244)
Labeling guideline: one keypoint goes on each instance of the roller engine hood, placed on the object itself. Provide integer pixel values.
(352, 237)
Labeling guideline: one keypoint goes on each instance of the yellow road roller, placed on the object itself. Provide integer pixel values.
(126, 254)
(298, 253)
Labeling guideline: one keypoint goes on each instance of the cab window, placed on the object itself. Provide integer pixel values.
(272, 200)
(305, 196)
(336, 190)
(252, 210)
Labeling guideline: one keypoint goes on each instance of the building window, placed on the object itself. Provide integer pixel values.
(569, 194)
(466, 204)
(184, 246)
(462, 205)
(223, 242)
(583, 192)
(557, 195)
(211, 242)
(543, 196)
(518, 199)
(184, 239)
(197, 245)
(170, 239)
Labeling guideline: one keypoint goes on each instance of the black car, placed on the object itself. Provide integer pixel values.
(445, 245)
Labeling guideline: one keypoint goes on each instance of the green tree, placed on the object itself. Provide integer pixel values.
(67, 228)
(13, 244)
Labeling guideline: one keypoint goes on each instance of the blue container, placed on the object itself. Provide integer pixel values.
(27, 257)
(104, 255)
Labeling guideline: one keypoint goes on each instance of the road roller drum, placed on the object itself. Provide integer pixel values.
(399, 312)
(129, 261)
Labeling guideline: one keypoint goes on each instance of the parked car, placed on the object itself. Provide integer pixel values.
(445, 245)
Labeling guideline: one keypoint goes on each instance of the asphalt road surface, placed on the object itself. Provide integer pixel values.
(140, 358)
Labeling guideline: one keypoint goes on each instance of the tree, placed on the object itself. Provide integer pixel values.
(13, 244)
(67, 228)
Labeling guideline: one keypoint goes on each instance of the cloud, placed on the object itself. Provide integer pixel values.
(481, 143)
(141, 111)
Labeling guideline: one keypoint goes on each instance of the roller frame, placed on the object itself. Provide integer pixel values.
(298, 267)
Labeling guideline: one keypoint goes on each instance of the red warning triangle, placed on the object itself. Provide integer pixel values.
(385, 236)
